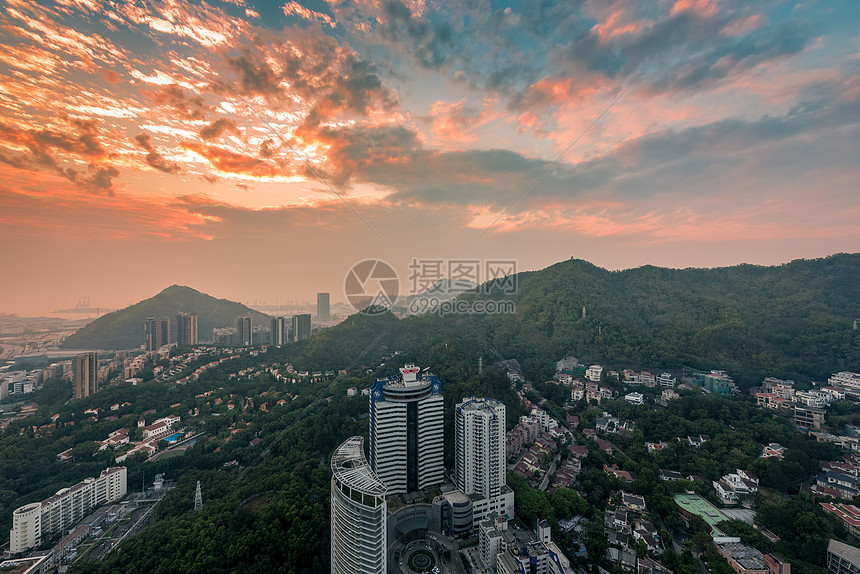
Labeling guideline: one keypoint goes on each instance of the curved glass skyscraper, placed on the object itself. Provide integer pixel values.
(358, 513)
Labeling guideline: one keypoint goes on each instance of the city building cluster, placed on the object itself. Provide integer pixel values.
(401, 488)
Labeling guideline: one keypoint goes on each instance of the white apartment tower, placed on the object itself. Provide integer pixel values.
(479, 457)
(479, 446)
(406, 431)
(358, 513)
(63, 510)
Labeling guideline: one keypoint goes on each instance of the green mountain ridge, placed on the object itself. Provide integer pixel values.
(792, 321)
(123, 329)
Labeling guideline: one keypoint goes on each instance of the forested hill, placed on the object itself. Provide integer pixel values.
(123, 329)
(793, 321)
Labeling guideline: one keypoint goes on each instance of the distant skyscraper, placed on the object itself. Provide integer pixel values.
(243, 331)
(479, 446)
(406, 433)
(86, 374)
(358, 513)
(157, 332)
(279, 331)
(323, 313)
(186, 329)
(301, 327)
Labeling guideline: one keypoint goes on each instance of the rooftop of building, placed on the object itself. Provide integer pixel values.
(479, 404)
(845, 551)
(695, 504)
(746, 556)
(350, 467)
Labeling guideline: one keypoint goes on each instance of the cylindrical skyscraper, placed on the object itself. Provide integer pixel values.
(358, 513)
(406, 431)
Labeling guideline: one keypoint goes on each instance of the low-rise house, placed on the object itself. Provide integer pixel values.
(697, 441)
(735, 488)
(666, 380)
(847, 513)
(633, 502)
(847, 486)
(649, 539)
(635, 398)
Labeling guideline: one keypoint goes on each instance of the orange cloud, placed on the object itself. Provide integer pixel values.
(295, 9)
(227, 162)
(46, 205)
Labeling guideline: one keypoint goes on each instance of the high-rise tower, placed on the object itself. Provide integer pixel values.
(479, 456)
(358, 513)
(479, 446)
(86, 374)
(406, 432)
(279, 331)
(243, 331)
(323, 311)
(157, 332)
(301, 327)
(186, 329)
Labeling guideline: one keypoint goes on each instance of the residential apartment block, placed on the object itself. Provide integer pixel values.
(63, 510)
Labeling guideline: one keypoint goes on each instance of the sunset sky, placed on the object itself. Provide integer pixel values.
(257, 150)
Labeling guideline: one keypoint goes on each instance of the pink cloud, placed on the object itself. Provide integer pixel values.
(704, 8)
(456, 122)
(618, 23)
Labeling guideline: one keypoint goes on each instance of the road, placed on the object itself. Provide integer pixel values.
(550, 471)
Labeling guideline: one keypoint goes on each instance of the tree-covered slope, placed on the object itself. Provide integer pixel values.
(793, 320)
(123, 329)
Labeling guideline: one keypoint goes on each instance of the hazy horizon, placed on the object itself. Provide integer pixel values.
(310, 301)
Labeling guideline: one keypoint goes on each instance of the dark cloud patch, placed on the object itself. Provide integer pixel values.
(312, 68)
(153, 157)
(356, 151)
(266, 150)
(101, 177)
(431, 42)
(706, 62)
(680, 162)
(80, 141)
(661, 49)
(227, 161)
(256, 76)
(218, 127)
(187, 105)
